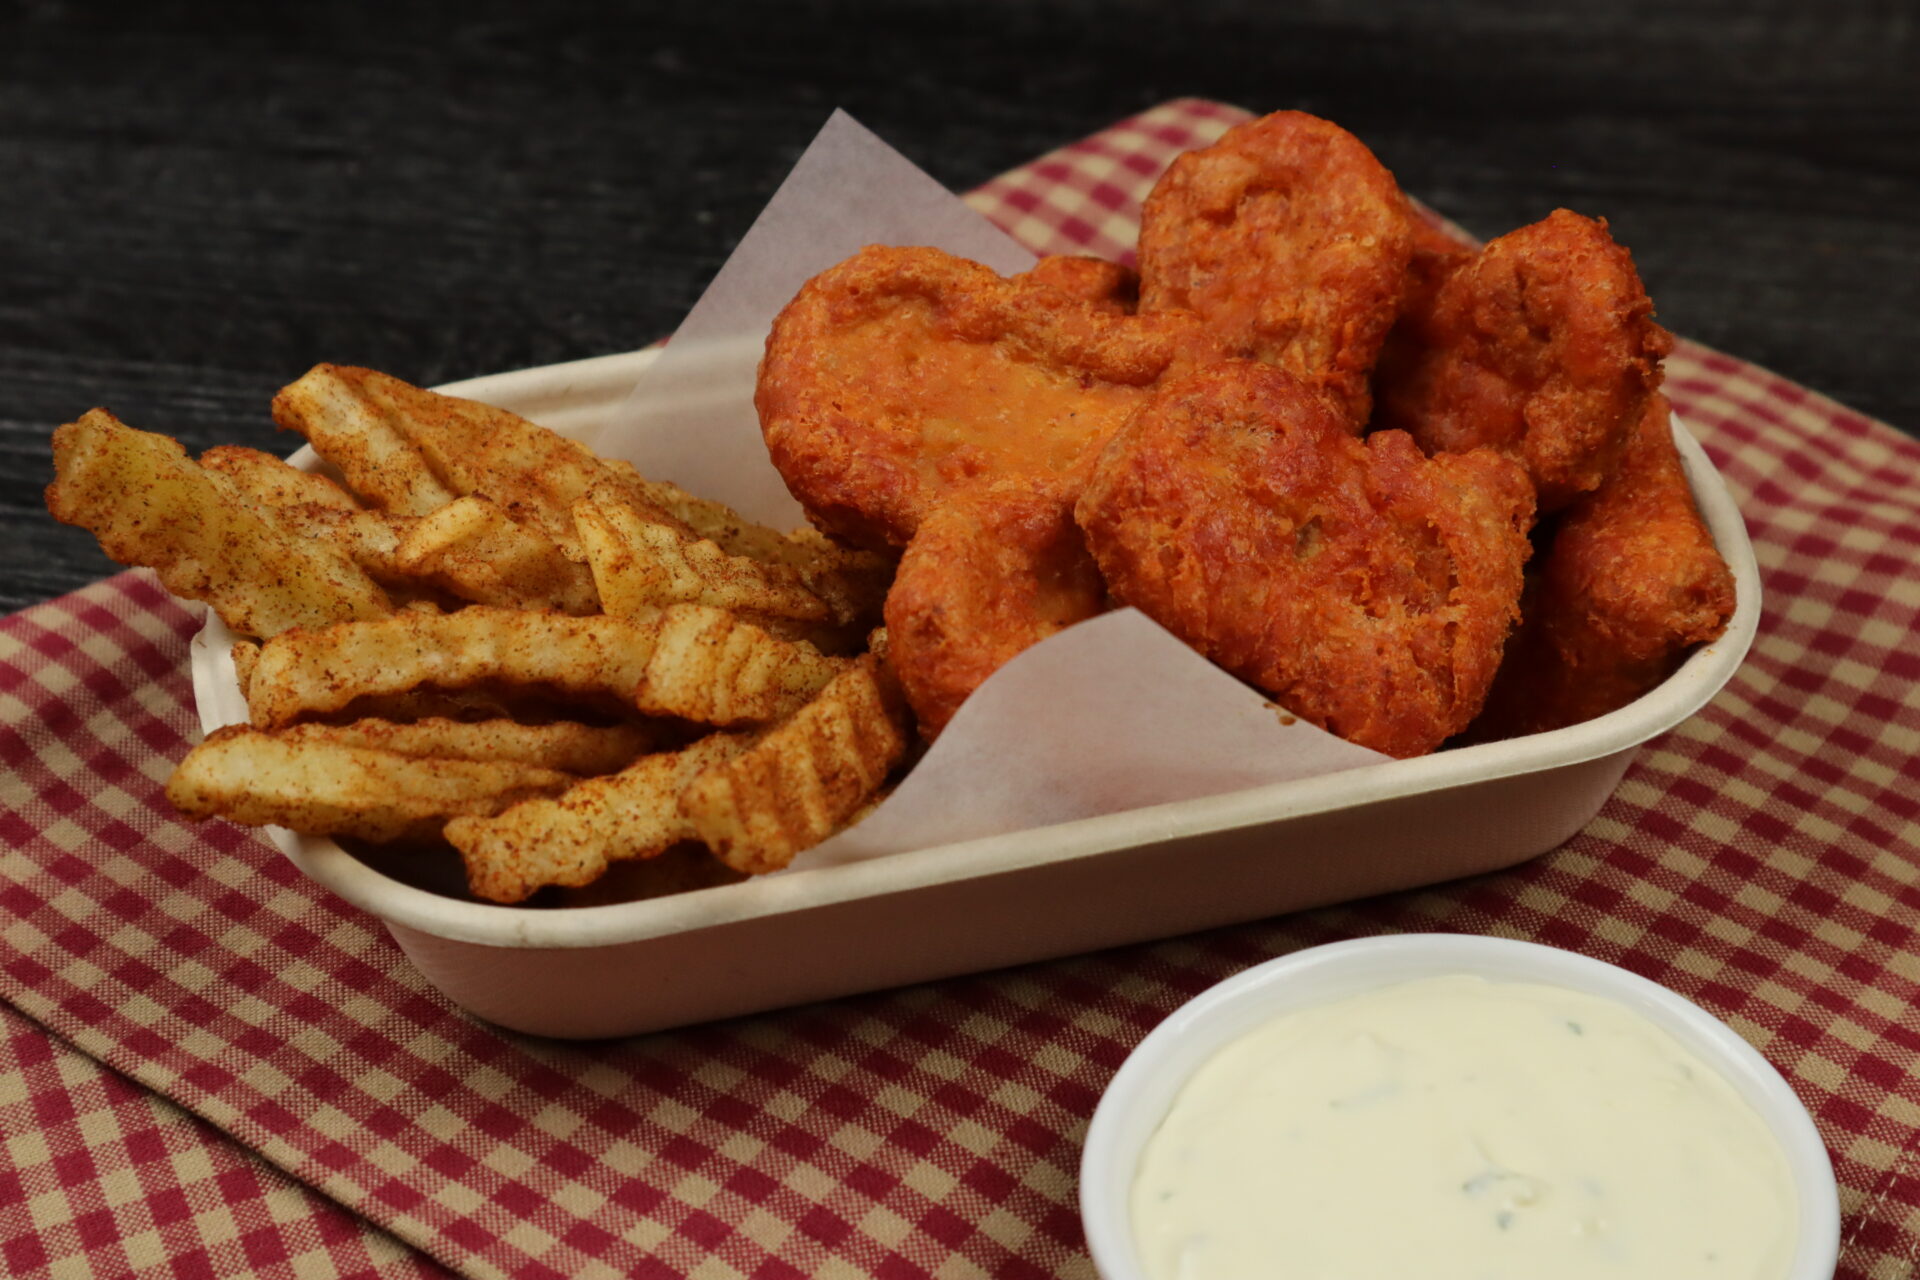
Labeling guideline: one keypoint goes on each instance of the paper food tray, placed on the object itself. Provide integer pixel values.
(957, 908)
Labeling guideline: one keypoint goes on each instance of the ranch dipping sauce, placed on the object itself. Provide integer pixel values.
(1456, 1127)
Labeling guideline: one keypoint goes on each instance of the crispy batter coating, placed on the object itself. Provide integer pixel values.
(1366, 587)
(1436, 255)
(1542, 346)
(1107, 285)
(1631, 581)
(901, 376)
(1289, 239)
(988, 574)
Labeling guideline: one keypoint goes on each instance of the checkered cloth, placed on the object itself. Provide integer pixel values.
(227, 1070)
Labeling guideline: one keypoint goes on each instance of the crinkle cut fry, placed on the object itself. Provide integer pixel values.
(272, 482)
(345, 416)
(325, 788)
(413, 450)
(316, 672)
(469, 548)
(641, 566)
(148, 504)
(711, 667)
(570, 839)
(473, 548)
(568, 746)
(806, 777)
(851, 582)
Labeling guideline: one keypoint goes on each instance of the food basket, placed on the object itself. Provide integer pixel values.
(818, 933)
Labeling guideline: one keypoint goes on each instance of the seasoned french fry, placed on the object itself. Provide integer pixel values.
(474, 549)
(323, 788)
(642, 565)
(371, 539)
(352, 418)
(806, 777)
(319, 671)
(271, 482)
(570, 839)
(709, 666)
(715, 521)
(852, 583)
(245, 653)
(586, 750)
(149, 504)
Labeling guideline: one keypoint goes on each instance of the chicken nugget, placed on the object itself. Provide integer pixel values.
(1107, 285)
(990, 573)
(1542, 346)
(1630, 582)
(1365, 586)
(901, 376)
(1291, 241)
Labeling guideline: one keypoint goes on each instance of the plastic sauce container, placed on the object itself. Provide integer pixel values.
(1405, 1105)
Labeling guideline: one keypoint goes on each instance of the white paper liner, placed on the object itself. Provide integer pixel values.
(1111, 715)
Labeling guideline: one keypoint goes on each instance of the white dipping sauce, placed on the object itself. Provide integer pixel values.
(1456, 1127)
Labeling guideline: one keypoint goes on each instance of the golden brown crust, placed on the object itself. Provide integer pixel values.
(1367, 588)
(1107, 285)
(901, 376)
(1631, 581)
(1542, 346)
(988, 575)
(1291, 241)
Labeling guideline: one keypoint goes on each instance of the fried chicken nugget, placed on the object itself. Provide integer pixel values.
(901, 376)
(1365, 586)
(1290, 240)
(1107, 285)
(1543, 346)
(990, 573)
(1631, 581)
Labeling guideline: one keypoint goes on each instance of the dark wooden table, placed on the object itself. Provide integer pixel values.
(194, 209)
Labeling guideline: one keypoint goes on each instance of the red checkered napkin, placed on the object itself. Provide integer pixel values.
(1763, 859)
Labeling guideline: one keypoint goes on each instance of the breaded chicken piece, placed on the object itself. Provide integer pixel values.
(1368, 588)
(1542, 346)
(1436, 255)
(990, 573)
(902, 376)
(1289, 239)
(1630, 582)
(1107, 285)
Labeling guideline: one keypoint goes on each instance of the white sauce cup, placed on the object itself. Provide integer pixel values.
(1146, 1085)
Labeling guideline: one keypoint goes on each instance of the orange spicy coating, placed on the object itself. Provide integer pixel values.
(988, 574)
(1543, 346)
(1108, 285)
(1291, 241)
(902, 376)
(1631, 581)
(1365, 586)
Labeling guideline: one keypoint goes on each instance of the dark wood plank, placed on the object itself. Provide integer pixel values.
(199, 206)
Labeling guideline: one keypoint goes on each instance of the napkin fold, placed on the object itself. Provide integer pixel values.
(206, 1052)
